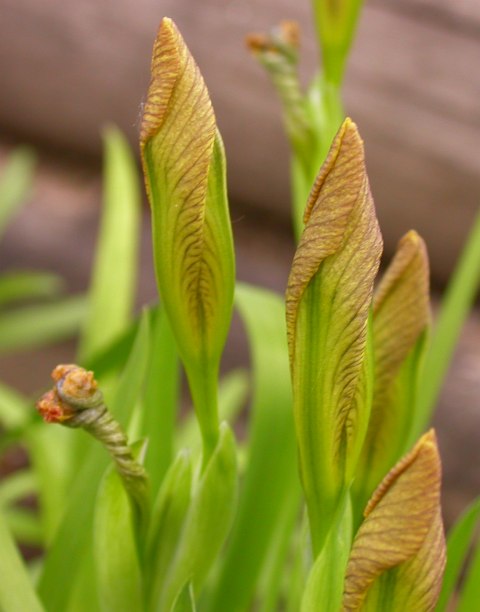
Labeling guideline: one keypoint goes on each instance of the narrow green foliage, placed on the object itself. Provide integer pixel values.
(16, 486)
(271, 472)
(470, 593)
(459, 543)
(207, 522)
(184, 166)
(17, 286)
(112, 288)
(14, 408)
(117, 564)
(168, 517)
(16, 590)
(160, 398)
(324, 588)
(454, 310)
(15, 183)
(336, 23)
(34, 326)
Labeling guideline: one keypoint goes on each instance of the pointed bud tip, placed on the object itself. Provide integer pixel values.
(346, 142)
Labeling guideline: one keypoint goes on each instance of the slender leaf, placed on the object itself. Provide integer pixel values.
(208, 521)
(33, 326)
(458, 545)
(167, 521)
(470, 593)
(456, 304)
(14, 408)
(28, 285)
(161, 399)
(271, 474)
(111, 294)
(25, 526)
(325, 583)
(117, 566)
(16, 590)
(15, 184)
(17, 485)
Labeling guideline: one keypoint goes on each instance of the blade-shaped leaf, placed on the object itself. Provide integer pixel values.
(16, 590)
(336, 23)
(167, 521)
(324, 588)
(456, 304)
(160, 399)
(28, 285)
(14, 408)
(112, 288)
(398, 555)
(117, 567)
(184, 169)
(33, 326)
(271, 476)
(401, 316)
(208, 521)
(328, 300)
(15, 183)
(459, 542)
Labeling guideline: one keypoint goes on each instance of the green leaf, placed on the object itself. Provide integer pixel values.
(328, 301)
(207, 523)
(166, 525)
(117, 567)
(184, 167)
(49, 449)
(186, 600)
(336, 23)
(456, 305)
(14, 408)
(271, 475)
(459, 542)
(161, 399)
(16, 590)
(470, 593)
(15, 184)
(33, 326)
(17, 485)
(28, 285)
(24, 526)
(324, 589)
(112, 289)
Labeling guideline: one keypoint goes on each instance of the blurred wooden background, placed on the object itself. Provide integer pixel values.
(413, 86)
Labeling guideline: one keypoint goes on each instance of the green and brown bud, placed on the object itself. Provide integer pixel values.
(75, 401)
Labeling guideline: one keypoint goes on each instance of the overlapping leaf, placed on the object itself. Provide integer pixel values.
(398, 555)
(401, 317)
(328, 300)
